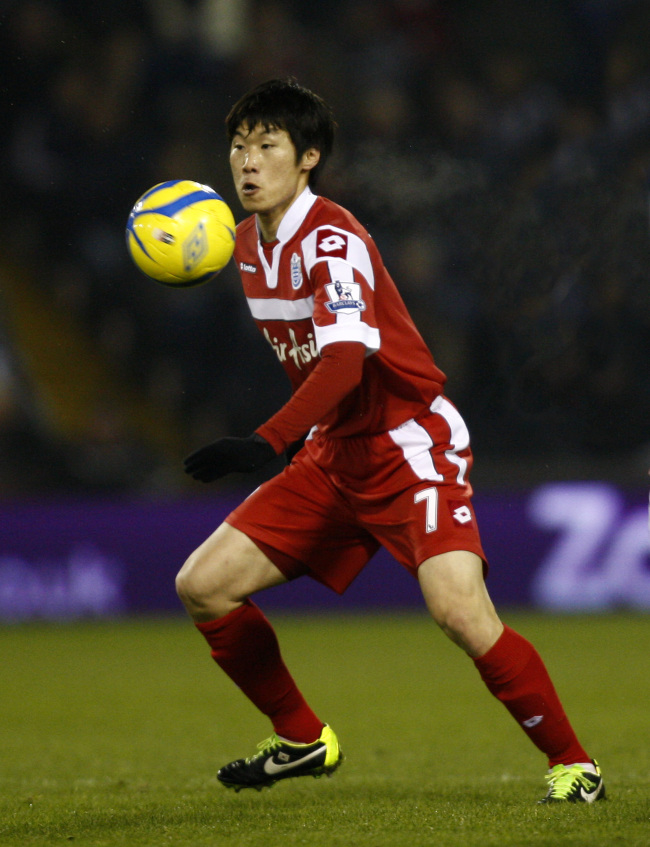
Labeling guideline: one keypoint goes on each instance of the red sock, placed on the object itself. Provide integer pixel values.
(245, 647)
(514, 672)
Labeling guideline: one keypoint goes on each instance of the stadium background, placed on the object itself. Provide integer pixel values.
(498, 153)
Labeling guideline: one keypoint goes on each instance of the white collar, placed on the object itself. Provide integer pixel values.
(294, 216)
(289, 226)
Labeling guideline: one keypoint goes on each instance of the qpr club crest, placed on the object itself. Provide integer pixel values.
(345, 298)
(296, 272)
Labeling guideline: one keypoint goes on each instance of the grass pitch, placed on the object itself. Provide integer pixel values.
(112, 734)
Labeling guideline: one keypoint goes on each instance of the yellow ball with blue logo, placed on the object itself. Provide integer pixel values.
(181, 233)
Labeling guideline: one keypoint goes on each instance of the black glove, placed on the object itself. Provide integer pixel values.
(227, 455)
(294, 448)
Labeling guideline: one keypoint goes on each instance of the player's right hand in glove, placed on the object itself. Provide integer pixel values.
(292, 449)
(227, 455)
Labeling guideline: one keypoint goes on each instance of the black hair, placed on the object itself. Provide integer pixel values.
(284, 104)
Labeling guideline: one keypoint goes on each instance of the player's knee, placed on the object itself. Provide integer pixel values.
(187, 584)
(474, 628)
(184, 583)
(456, 622)
(198, 585)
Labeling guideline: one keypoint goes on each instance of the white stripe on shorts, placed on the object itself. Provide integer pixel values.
(459, 434)
(416, 443)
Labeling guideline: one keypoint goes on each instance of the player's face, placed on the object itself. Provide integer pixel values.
(267, 176)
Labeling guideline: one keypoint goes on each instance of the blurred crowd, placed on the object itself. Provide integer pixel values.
(497, 152)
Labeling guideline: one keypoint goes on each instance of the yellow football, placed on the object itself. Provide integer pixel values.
(181, 233)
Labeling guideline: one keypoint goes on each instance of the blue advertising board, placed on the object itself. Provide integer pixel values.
(561, 546)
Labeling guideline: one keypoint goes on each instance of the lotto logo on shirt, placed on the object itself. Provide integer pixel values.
(331, 244)
(345, 298)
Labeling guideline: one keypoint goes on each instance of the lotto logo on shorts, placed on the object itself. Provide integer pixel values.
(460, 512)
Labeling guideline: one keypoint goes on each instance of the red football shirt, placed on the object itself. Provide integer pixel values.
(323, 281)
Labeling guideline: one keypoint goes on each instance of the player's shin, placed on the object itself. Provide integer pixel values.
(245, 646)
(515, 674)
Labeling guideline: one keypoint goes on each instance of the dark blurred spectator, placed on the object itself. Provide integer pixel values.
(499, 152)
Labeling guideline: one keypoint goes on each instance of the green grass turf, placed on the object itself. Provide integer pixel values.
(112, 734)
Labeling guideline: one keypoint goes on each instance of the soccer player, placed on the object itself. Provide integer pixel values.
(386, 459)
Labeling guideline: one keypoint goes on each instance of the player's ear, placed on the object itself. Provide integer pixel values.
(310, 158)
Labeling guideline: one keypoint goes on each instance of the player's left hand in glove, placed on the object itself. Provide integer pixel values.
(227, 455)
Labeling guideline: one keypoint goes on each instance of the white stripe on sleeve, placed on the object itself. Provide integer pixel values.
(353, 330)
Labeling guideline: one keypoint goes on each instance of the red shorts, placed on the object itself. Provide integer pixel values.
(341, 499)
